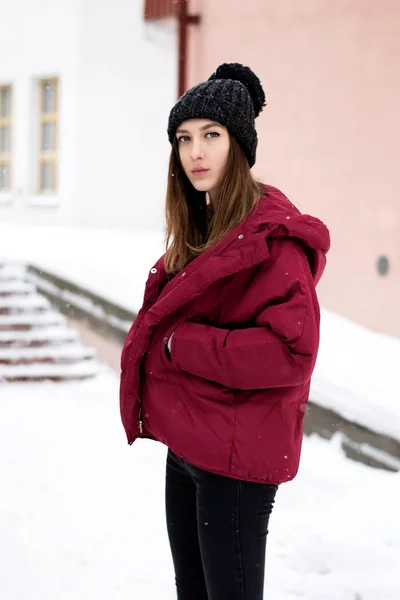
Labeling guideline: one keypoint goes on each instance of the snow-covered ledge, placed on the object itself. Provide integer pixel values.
(80, 304)
(6, 199)
(357, 374)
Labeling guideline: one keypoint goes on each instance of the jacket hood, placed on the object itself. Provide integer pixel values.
(276, 217)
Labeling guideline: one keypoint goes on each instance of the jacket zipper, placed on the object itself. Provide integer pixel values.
(140, 420)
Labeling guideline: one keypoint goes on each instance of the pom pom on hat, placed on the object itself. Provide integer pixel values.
(245, 75)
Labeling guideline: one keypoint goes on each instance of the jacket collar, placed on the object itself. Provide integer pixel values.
(243, 247)
(237, 250)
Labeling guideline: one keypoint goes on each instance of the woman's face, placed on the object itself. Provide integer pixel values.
(203, 150)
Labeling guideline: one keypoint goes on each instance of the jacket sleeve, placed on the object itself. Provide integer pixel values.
(279, 350)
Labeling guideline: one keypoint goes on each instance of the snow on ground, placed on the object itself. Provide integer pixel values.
(359, 378)
(82, 513)
(112, 263)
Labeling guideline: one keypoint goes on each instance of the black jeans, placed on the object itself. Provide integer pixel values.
(217, 528)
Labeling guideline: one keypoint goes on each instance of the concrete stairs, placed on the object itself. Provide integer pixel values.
(35, 343)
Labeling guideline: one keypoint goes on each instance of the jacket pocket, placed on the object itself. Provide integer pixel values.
(163, 341)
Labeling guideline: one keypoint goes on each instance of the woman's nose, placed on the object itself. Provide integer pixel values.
(197, 150)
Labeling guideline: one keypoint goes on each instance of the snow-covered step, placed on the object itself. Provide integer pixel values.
(35, 343)
(31, 302)
(31, 320)
(11, 264)
(39, 372)
(17, 287)
(11, 271)
(38, 337)
(64, 354)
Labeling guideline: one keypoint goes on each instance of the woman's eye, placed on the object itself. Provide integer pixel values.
(186, 138)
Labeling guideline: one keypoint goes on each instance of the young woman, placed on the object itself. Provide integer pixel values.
(217, 364)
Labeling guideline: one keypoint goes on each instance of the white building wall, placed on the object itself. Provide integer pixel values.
(39, 39)
(117, 77)
(127, 85)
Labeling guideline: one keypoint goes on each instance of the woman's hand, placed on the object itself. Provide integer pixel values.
(168, 346)
(170, 342)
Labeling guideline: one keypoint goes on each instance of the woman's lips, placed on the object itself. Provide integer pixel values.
(200, 171)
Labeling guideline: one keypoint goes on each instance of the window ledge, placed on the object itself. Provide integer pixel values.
(44, 200)
(6, 198)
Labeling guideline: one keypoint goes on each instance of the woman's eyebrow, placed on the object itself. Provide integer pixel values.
(214, 124)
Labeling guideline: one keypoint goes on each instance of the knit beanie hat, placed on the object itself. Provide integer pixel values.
(233, 96)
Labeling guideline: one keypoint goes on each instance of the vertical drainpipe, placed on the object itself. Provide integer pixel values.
(184, 19)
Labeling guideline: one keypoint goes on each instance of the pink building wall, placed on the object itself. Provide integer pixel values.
(329, 137)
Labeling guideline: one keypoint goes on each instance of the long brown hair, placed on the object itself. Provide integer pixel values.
(189, 223)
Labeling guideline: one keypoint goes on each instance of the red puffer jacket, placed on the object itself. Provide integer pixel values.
(245, 319)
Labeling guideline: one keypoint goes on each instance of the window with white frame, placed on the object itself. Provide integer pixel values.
(5, 138)
(48, 122)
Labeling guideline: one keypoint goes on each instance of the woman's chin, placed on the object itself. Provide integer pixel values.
(202, 186)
